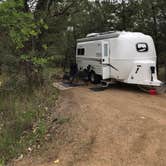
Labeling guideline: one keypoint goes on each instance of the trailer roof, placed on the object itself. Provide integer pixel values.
(100, 36)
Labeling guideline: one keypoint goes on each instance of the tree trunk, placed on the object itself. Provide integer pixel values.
(26, 7)
(124, 14)
(155, 32)
(165, 71)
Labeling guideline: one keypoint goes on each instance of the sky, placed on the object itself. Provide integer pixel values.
(32, 4)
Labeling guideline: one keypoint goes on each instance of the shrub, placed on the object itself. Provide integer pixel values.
(23, 116)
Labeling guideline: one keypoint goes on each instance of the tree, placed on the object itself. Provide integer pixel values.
(50, 28)
(19, 26)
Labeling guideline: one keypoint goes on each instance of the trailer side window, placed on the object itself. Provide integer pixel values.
(80, 51)
(142, 47)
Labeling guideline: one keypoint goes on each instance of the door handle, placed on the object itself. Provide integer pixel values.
(103, 60)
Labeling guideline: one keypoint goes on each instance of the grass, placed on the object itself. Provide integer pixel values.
(52, 73)
(62, 120)
(23, 122)
(23, 115)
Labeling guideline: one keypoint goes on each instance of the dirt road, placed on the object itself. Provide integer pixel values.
(115, 127)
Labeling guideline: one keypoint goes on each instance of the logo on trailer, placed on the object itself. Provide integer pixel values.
(142, 47)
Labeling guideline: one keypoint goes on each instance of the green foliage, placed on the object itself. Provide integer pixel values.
(19, 25)
(31, 42)
(139, 15)
(23, 119)
(46, 32)
(35, 60)
(21, 31)
(2, 163)
(87, 17)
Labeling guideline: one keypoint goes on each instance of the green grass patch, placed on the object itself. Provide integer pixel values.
(23, 120)
(53, 73)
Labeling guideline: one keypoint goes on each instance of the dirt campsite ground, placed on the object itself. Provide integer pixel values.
(120, 126)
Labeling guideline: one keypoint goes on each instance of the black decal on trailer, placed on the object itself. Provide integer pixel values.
(111, 66)
(142, 47)
(137, 70)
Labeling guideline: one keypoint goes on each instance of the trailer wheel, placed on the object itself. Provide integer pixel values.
(94, 78)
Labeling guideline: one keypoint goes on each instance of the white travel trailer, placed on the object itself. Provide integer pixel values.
(127, 57)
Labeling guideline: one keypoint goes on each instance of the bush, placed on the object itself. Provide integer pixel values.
(23, 116)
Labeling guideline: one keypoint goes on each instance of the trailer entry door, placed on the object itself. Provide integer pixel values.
(105, 60)
(105, 52)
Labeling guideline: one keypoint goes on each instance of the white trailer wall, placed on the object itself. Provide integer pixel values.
(92, 56)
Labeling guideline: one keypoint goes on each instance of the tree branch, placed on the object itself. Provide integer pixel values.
(65, 9)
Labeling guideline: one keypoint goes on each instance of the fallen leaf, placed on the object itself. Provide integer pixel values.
(142, 117)
(56, 161)
(29, 149)
(20, 157)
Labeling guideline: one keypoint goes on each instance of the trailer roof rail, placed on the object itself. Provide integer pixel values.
(109, 32)
(92, 34)
(99, 36)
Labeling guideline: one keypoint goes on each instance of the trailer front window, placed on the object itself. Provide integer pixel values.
(81, 51)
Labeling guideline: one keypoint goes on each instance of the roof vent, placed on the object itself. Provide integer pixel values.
(105, 33)
(92, 34)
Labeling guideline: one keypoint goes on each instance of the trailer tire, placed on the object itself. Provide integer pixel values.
(94, 78)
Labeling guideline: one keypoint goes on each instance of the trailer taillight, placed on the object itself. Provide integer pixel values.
(152, 69)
